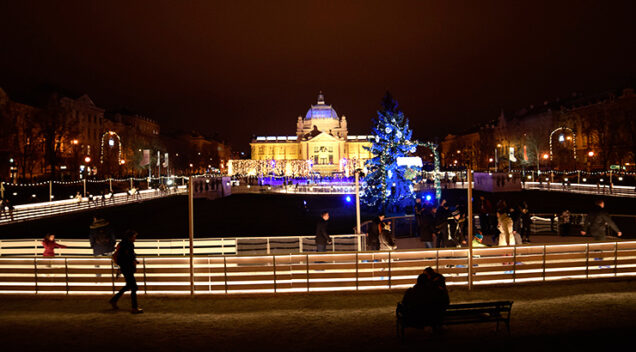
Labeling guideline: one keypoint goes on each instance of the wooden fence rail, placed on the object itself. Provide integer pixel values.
(350, 271)
(202, 246)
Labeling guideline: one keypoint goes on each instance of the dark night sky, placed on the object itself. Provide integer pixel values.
(241, 68)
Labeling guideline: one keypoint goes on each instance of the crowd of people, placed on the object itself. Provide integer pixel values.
(446, 226)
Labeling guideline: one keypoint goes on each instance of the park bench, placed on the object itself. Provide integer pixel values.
(466, 313)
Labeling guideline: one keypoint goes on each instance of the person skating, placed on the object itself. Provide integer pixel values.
(428, 232)
(322, 236)
(504, 225)
(596, 221)
(375, 229)
(126, 259)
(456, 236)
(49, 245)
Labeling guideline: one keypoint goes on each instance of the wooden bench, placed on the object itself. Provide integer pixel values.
(467, 313)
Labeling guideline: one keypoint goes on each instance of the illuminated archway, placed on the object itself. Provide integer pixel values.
(564, 129)
(111, 135)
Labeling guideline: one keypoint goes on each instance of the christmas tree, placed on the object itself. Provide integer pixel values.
(386, 183)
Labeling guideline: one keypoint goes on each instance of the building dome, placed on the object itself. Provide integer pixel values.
(321, 110)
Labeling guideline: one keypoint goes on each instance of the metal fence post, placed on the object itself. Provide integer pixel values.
(389, 270)
(274, 267)
(544, 250)
(225, 272)
(35, 272)
(307, 267)
(145, 282)
(66, 273)
(357, 274)
(587, 260)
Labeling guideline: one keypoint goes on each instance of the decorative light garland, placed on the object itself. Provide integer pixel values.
(101, 156)
(566, 129)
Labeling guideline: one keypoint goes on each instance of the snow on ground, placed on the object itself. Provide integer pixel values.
(556, 316)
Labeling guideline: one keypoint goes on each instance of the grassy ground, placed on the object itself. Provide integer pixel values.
(564, 316)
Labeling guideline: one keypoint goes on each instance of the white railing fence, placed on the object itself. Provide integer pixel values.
(349, 271)
(202, 246)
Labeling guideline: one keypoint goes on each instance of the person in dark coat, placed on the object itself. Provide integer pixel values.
(426, 302)
(522, 223)
(102, 237)
(484, 209)
(427, 227)
(596, 221)
(322, 236)
(456, 232)
(375, 229)
(126, 259)
(441, 224)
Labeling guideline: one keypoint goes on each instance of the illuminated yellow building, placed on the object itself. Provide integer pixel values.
(321, 139)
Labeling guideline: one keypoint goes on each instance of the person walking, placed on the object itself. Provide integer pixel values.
(49, 245)
(428, 232)
(322, 235)
(126, 259)
(596, 222)
(375, 229)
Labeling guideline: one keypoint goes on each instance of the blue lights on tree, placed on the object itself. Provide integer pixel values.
(386, 183)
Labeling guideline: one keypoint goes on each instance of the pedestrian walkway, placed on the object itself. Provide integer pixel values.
(27, 212)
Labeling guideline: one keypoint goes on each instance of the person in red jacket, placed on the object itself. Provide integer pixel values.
(50, 245)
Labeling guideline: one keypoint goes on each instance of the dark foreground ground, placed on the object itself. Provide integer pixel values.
(565, 316)
(275, 215)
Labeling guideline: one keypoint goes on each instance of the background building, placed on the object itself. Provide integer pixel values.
(322, 139)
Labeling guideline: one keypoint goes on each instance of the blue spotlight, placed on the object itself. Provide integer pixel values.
(348, 199)
(428, 197)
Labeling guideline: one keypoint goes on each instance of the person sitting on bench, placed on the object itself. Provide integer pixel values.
(425, 303)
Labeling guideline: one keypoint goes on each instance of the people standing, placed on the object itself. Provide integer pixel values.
(522, 223)
(6, 206)
(387, 240)
(505, 227)
(417, 210)
(484, 209)
(322, 235)
(78, 197)
(375, 229)
(50, 245)
(596, 221)
(441, 224)
(101, 237)
(126, 259)
(428, 232)
(456, 236)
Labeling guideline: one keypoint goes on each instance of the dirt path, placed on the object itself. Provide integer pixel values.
(550, 316)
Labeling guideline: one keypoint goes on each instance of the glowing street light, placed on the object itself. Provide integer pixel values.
(87, 159)
(75, 141)
(590, 153)
(122, 162)
(546, 156)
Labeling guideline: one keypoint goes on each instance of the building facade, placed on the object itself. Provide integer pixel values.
(322, 140)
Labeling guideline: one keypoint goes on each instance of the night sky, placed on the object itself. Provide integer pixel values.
(241, 68)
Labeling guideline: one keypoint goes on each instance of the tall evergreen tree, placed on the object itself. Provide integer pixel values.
(386, 183)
